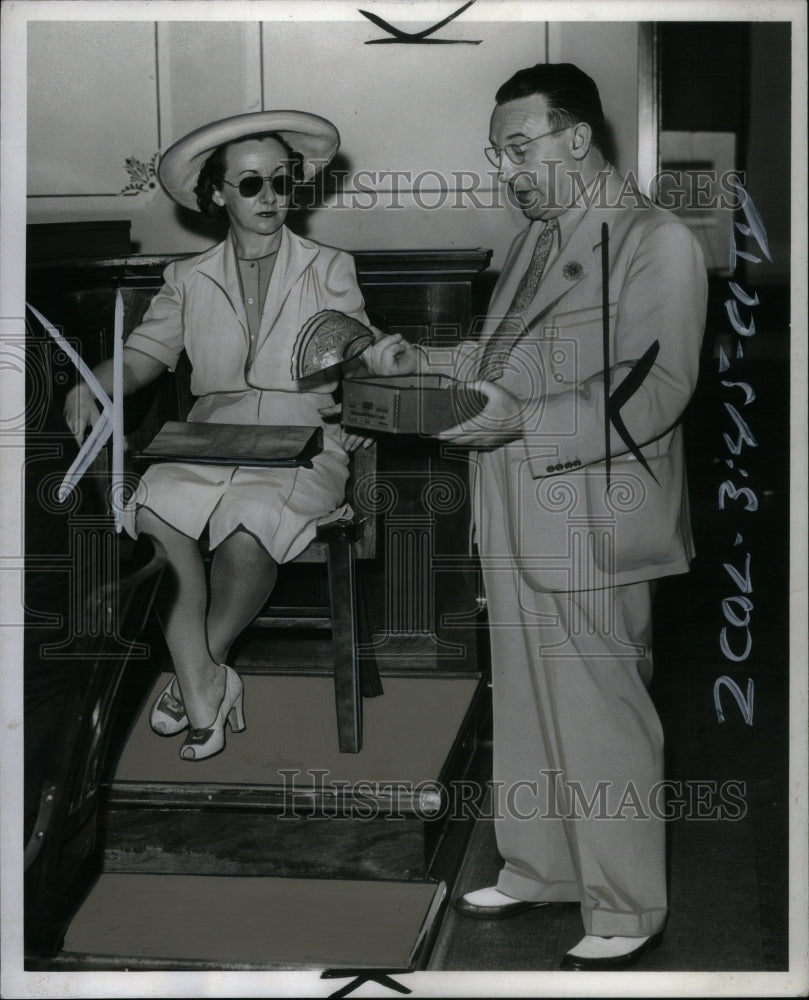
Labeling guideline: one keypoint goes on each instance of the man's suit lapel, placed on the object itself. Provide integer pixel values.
(581, 253)
(578, 257)
(563, 272)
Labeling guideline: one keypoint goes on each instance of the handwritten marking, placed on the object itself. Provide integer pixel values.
(417, 37)
(737, 608)
(745, 703)
(744, 583)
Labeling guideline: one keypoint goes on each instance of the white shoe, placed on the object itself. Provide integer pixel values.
(600, 954)
(200, 744)
(491, 904)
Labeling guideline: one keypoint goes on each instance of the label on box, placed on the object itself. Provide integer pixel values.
(409, 404)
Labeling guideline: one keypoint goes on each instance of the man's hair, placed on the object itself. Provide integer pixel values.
(212, 175)
(571, 96)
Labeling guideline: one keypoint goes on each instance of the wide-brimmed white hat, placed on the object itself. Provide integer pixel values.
(315, 138)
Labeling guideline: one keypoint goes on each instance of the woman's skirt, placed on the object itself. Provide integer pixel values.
(281, 507)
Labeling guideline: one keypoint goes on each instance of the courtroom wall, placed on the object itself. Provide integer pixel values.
(104, 98)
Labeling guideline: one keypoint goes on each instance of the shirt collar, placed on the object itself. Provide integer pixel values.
(572, 216)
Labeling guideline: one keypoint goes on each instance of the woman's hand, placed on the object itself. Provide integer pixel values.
(80, 411)
(349, 441)
(391, 354)
(499, 422)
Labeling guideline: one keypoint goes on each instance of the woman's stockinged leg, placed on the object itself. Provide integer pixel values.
(243, 575)
(181, 607)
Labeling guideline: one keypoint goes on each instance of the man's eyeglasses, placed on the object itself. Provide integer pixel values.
(249, 187)
(515, 151)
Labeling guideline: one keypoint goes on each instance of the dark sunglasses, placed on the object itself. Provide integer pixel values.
(248, 187)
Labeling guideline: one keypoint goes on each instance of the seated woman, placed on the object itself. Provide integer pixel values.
(236, 310)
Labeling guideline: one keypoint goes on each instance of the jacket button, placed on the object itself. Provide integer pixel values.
(568, 465)
(551, 468)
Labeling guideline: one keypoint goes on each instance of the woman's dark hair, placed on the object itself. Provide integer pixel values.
(571, 95)
(212, 175)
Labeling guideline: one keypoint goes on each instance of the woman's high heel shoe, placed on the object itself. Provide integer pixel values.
(200, 744)
(168, 716)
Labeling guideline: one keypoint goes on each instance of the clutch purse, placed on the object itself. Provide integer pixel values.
(233, 444)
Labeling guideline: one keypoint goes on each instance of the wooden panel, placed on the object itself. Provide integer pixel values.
(77, 143)
(201, 842)
(78, 239)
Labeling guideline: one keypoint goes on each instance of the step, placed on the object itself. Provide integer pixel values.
(304, 808)
(186, 921)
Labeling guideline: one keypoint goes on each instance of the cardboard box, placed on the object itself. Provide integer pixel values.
(408, 404)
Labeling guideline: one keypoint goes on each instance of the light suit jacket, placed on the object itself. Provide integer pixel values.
(200, 308)
(565, 529)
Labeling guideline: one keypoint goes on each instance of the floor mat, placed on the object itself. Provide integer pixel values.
(257, 921)
(292, 727)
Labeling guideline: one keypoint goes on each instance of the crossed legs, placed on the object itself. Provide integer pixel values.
(243, 576)
(199, 631)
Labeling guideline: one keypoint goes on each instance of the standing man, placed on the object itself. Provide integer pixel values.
(587, 360)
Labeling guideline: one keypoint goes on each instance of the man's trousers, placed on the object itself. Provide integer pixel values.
(578, 751)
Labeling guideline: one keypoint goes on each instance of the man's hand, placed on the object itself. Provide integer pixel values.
(392, 355)
(349, 441)
(80, 411)
(499, 422)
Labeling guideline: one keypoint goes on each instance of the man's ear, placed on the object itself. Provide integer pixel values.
(217, 199)
(581, 140)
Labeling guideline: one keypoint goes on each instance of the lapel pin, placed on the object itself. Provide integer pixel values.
(573, 270)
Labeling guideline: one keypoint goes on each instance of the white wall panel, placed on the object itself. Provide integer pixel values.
(415, 227)
(608, 51)
(399, 106)
(100, 93)
(92, 102)
(208, 70)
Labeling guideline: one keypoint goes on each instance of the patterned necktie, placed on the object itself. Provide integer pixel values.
(512, 327)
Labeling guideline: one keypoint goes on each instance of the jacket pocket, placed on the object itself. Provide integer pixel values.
(640, 523)
(576, 342)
